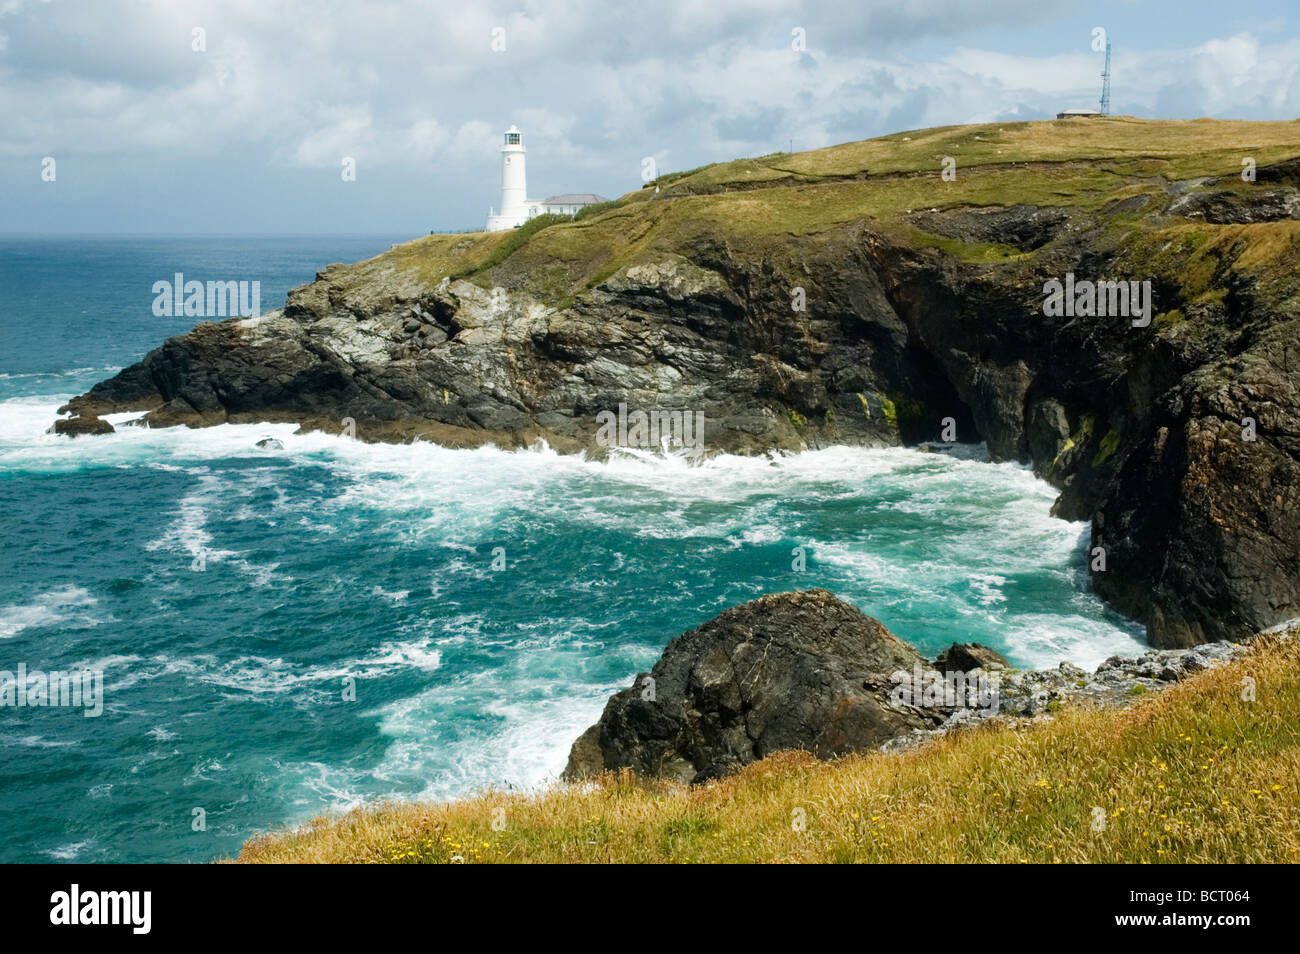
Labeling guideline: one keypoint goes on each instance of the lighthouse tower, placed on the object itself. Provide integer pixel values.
(516, 208)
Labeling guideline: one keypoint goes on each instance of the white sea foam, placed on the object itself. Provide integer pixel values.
(263, 677)
(536, 721)
(69, 607)
(998, 515)
(71, 372)
(1045, 640)
(40, 742)
(395, 596)
(67, 852)
(188, 533)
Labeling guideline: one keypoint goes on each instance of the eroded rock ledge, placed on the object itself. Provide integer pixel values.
(805, 670)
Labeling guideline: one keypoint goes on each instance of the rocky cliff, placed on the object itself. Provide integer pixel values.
(856, 295)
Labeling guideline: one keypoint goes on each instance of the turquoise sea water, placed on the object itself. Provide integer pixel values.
(230, 594)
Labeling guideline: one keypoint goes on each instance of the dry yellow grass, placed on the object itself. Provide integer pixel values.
(1175, 148)
(432, 257)
(1194, 774)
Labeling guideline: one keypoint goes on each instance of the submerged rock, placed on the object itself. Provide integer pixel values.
(79, 425)
(270, 443)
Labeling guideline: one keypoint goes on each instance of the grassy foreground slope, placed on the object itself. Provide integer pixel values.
(1197, 773)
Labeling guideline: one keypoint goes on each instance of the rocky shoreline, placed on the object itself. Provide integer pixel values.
(805, 670)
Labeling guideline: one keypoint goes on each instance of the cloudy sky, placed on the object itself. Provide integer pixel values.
(248, 133)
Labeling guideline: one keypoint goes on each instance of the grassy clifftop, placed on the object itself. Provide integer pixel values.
(1083, 165)
(1194, 774)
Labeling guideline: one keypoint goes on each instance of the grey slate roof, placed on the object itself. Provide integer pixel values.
(575, 198)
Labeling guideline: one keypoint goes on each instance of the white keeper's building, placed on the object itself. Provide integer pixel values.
(516, 207)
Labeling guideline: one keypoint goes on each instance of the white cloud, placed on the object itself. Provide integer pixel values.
(405, 84)
(349, 134)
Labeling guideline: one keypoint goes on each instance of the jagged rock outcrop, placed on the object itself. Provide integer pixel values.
(787, 671)
(1179, 440)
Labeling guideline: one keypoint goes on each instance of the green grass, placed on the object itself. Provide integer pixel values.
(1108, 446)
(514, 240)
(889, 410)
(983, 252)
(598, 208)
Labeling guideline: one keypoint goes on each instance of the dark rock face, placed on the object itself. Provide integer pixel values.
(1025, 227)
(963, 657)
(1208, 511)
(787, 671)
(1235, 208)
(1141, 428)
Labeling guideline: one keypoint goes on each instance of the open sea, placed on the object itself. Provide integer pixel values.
(288, 632)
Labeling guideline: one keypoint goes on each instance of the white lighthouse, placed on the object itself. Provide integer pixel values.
(516, 207)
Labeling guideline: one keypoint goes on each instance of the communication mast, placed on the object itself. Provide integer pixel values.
(1105, 84)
